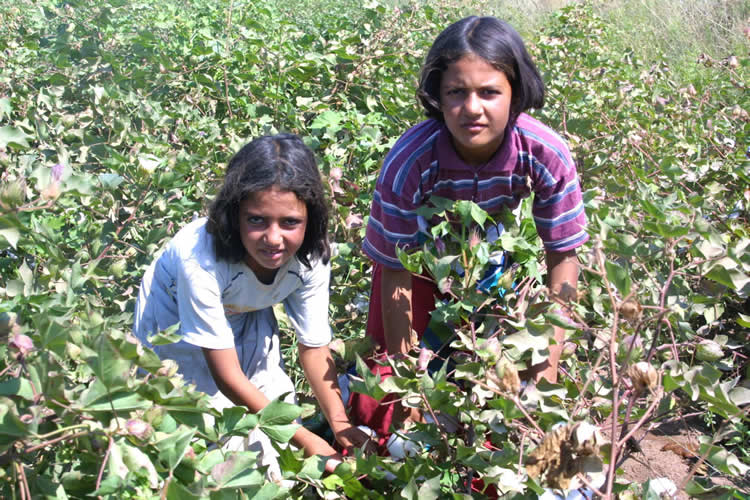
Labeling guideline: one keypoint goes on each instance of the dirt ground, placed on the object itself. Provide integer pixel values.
(669, 450)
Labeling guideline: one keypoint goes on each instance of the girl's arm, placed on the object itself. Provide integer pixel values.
(396, 294)
(320, 371)
(397, 313)
(232, 381)
(562, 280)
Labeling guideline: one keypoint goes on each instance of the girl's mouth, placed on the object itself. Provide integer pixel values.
(473, 126)
(272, 254)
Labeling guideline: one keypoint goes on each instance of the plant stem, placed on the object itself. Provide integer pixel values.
(641, 421)
(223, 64)
(613, 371)
(104, 463)
(58, 431)
(53, 441)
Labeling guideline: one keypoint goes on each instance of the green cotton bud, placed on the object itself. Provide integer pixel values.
(117, 268)
(12, 194)
(708, 350)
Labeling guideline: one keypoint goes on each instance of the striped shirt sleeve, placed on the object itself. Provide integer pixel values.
(398, 193)
(558, 203)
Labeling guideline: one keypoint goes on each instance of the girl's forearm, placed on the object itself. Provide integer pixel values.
(232, 381)
(320, 371)
(235, 385)
(562, 280)
(396, 295)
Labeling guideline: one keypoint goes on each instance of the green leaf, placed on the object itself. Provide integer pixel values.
(210, 460)
(740, 395)
(313, 467)
(470, 212)
(13, 136)
(236, 420)
(281, 433)
(725, 272)
(560, 321)
(666, 230)
(11, 427)
(9, 231)
(722, 459)
(430, 489)
(5, 108)
(328, 120)
(111, 181)
(18, 386)
(370, 383)
(166, 336)
(27, 277)
(239, 470)
(278, 412)
(140, 463)
(173, 447)
(268, 491)
(178, 491)
(148, 162)
(534, 338)
(395, 385)
(111, 369)
(412, 261)
(98, 398)
(618, 276)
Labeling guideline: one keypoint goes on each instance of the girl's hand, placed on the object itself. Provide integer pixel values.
(315, 445)
(351, 437)
(318, 446)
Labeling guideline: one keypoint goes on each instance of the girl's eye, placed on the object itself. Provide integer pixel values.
(253, 220)
(490, 92)
(292, 222)
(453, 92)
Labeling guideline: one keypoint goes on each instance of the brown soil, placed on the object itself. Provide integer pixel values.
(670, 450)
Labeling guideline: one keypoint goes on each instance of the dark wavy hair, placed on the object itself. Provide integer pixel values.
(496, 42)
(285, 162)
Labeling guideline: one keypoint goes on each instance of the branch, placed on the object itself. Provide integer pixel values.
(104, 463)
(223, 63)
(53, 441)
(644, 417)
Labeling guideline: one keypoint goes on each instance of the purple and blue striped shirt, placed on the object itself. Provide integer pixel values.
(423, 163)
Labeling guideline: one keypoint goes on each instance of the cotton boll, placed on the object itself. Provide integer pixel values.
(367, 431)
(662, 486)
(550, 494)
(577, 495)
(399, 448)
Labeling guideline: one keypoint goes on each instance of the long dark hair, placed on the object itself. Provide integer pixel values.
(280, 160)
(496, 42)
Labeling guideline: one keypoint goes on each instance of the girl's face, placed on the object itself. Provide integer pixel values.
(272, 229)
(475, 101)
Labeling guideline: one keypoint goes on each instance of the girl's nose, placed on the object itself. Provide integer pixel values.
(273, 234)
(472, 105)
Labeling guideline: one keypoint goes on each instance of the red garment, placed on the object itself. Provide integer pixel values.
(377, 415)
